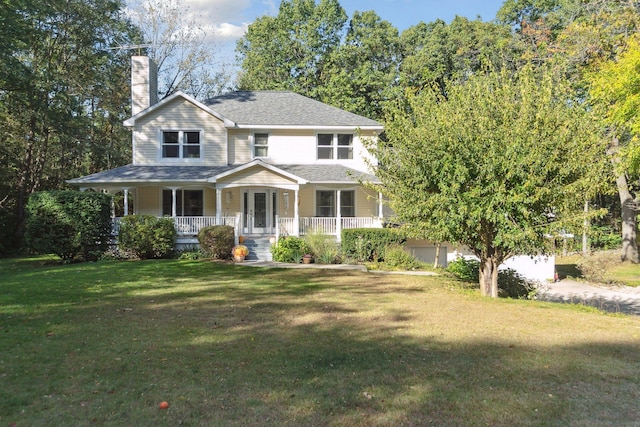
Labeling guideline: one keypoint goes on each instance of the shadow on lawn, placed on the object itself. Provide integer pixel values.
(276, 347)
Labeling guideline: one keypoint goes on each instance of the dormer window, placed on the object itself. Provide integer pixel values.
(181, 145)
(335, 146)
(260, 145)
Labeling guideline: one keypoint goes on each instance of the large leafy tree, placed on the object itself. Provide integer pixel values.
(63, 109)
(362, 71)
(500, 162)
(615, 90)
(438, 52)
(290, 51)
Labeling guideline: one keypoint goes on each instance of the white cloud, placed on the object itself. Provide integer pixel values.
(231, 31)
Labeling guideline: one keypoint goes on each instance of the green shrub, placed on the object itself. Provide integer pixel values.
(604, 238)
(147, 236)
(289, 249)
(324, 247)
(368, 244)
(398, 256)
(8, 221)
(467, 270)
(217, 240)
(513, 285)
(69, 224)
(510, 283)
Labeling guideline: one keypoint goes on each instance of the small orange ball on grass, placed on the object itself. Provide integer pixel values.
(164, 405)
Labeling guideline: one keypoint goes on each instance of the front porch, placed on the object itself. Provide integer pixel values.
(189, 226)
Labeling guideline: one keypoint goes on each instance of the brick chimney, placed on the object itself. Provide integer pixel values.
(144, 83)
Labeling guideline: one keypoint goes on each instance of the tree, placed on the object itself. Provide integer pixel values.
(291, 50)
(615, 90)
(184, 51)
(362, 71)
(438, 52)
(65, 103)
(500, 162)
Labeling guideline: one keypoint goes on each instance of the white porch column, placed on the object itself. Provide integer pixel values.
(218, 206)
(174, 205)
(338, 216)
(296, 214)
(113, 204)
(126, 201)
(380, 209)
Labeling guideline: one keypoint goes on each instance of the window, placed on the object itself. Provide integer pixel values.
(348, 203)
(170, 144)
(331, 144)
(326, 203)
(325, 146)
(345, 146)
(260, 145)
(181, 144)
(188, 202)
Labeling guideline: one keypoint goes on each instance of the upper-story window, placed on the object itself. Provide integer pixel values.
(335, 146)
(260, 145)
(181, 145)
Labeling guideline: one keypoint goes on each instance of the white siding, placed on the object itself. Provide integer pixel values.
(147, 201)
(292, 147)
(239, 147)
(257, 176)
(179, 115)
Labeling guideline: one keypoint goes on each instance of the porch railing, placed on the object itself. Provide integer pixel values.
(190, 225)
(187, 225)
(306, 225)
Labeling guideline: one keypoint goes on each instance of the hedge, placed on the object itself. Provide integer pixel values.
(217, 240)
(70, 224)
(147, 236)
(368, 244)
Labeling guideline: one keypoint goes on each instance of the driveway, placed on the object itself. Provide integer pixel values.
(615, 299)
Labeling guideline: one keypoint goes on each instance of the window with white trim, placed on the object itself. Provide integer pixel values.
(188, 202)
(335, 146)
(260, 145)
(326, 203)
(181, 145)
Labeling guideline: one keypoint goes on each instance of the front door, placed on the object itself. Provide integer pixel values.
(257, 212)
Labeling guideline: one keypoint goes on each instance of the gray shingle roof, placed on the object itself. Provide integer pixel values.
(281, 108)
(137, 174)
(141, 174)
(327, 173)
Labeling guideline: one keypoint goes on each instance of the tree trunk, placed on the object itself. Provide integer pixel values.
(489, 277)
(435, 263)
(585, 230)
(629, 225)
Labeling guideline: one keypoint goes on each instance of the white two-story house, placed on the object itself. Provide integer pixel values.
(267, 162)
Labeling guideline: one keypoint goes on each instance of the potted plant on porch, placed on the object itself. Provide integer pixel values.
(239, 252)
(306, 258)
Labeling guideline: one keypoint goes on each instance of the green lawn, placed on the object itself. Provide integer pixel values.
(104, 343)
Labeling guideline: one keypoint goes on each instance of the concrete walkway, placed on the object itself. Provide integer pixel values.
(614, 299)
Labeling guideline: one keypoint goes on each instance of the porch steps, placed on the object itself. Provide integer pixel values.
(259, 248)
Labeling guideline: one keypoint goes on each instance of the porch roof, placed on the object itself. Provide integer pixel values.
(146, 174)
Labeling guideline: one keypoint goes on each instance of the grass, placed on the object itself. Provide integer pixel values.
(600, 267)
(104, 343)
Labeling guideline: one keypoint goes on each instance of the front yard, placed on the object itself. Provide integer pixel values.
(105, 343)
